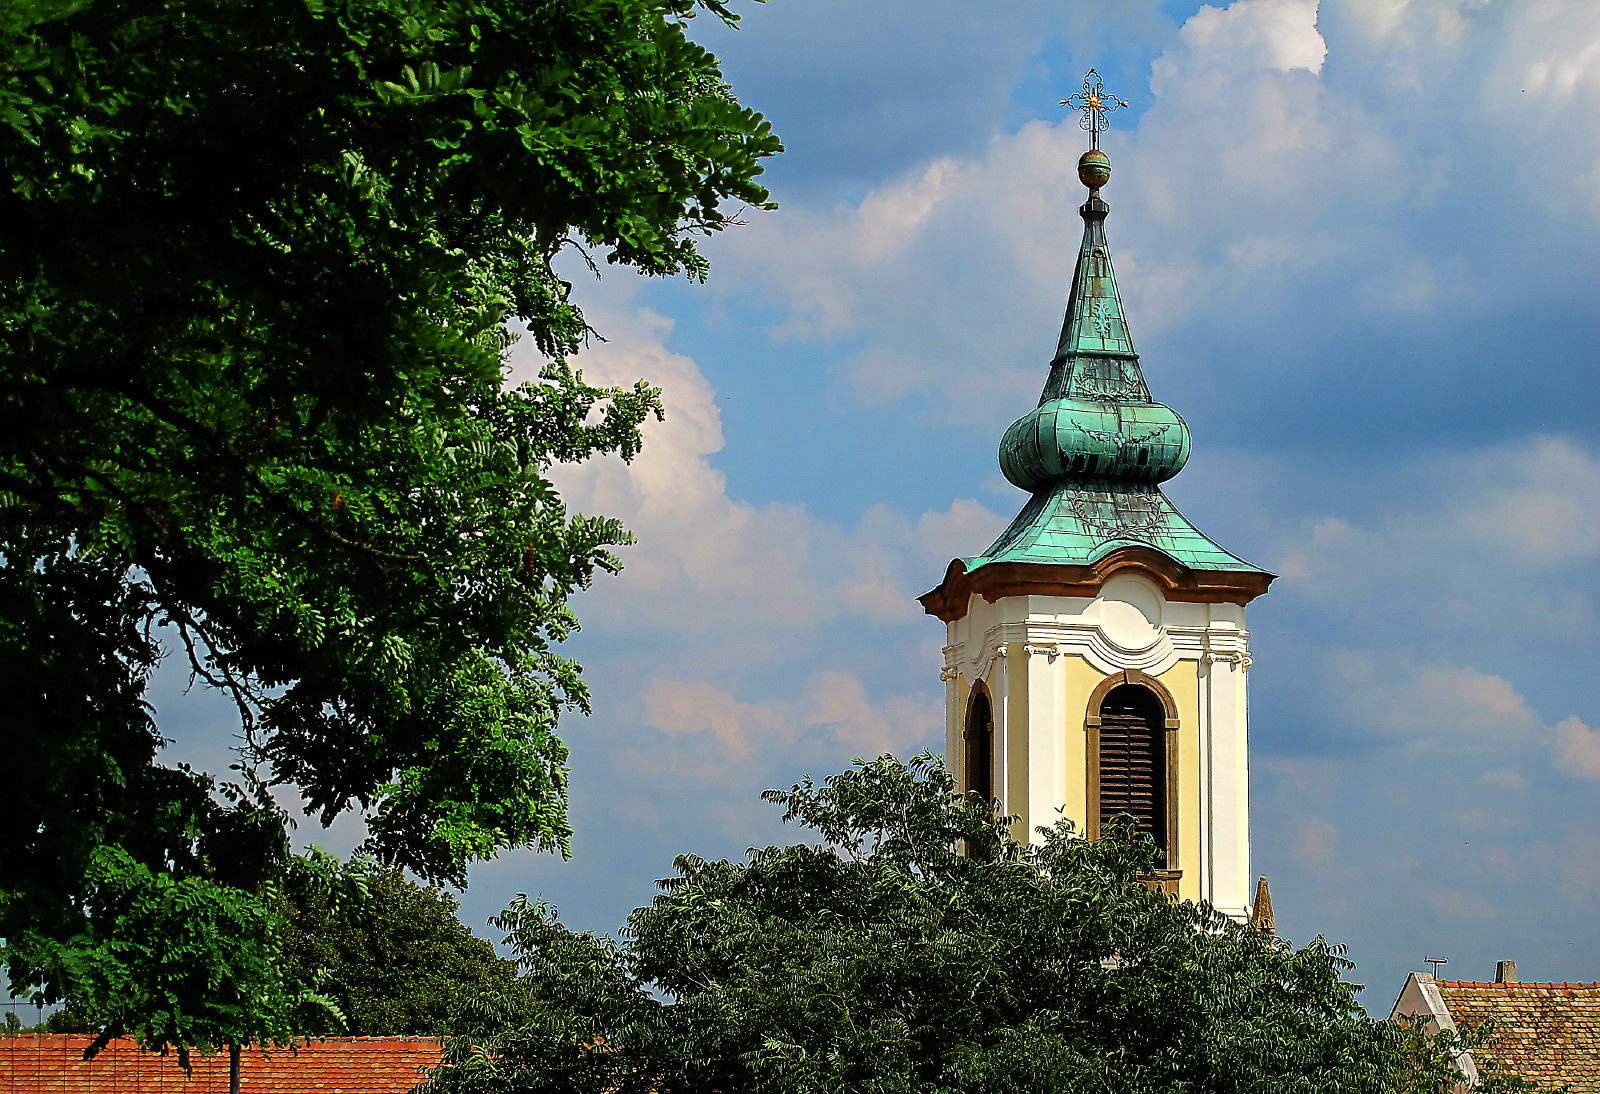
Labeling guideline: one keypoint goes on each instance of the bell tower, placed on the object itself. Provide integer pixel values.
(1095, 654)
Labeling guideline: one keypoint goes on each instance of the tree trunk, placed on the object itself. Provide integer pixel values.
(233, 1069)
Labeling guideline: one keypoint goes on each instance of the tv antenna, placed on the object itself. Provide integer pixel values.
(1436, 962)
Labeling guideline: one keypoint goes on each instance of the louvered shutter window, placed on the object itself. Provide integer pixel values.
(1133, 761)
(980, 746)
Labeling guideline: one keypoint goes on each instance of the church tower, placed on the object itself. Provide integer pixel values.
(1095, 655)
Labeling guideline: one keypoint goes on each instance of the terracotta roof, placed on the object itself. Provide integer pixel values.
(1549, 1033)
(54, 1064)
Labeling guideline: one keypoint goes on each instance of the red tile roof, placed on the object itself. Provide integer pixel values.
(54, 1064)
(1547, 1032)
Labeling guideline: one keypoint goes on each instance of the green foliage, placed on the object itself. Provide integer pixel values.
(256, 261)
(392, 955)
(919, 949)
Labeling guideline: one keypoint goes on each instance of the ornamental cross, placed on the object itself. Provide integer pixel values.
(1095, 103)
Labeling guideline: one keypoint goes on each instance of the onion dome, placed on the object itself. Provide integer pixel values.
(1096, 419)
(1085, 438)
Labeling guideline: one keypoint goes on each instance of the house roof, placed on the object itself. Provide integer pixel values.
(54, 1064)
(1547, 1032)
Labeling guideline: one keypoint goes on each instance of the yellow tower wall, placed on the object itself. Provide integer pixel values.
(1042, 659)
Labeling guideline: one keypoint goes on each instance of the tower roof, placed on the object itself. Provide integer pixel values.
(1095, 323)
(1093, 452)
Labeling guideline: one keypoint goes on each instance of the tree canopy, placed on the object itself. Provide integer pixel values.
(391, 955)
(917, 948)
(257, 258)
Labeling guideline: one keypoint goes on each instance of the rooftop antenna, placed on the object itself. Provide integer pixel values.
(1436, 962)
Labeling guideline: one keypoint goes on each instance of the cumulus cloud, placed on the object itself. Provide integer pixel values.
(1516, 525)
(913, 268)
(1578, 747)
(1436, 706)
(1540, 503)
(713, 563)
(835, 702)
(678, 707)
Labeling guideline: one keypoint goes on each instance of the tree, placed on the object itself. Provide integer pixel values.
(256, 263)
(384, 956)
(918, 948)
(392, 957)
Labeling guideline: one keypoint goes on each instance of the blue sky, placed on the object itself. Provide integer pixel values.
(1358, 244)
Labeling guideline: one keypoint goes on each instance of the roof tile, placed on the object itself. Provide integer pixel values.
(54, 1064)
(1547, 1032)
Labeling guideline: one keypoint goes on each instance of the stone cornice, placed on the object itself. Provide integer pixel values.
(949, 601)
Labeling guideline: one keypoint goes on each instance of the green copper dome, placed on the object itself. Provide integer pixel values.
(1123, 442)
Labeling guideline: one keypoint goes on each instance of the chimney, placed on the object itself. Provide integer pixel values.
(1505, 972)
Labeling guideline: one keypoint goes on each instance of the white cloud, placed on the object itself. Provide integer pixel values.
(1434, 710)
(1437, 706)
(678, 707)
(952, 277)
(1500, 539)
(1578, 748)
(1540, 502)
(838, 702)
(1276, 34)
(835, 702)
(745, 631)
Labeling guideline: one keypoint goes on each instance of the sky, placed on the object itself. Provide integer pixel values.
(1358, 243)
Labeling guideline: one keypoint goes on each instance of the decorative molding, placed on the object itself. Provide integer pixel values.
(1215, 650)
(952, 599)
(948, 673)
(1055, 637)
(1169, 705)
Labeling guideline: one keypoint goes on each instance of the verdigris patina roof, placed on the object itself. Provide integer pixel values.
(1082, 522)
(1094, 451)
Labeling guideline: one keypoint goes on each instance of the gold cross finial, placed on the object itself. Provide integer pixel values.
(1095, 103)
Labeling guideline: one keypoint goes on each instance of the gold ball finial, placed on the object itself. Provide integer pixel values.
(1094, 168)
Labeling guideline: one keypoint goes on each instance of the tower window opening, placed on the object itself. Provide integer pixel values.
(978, 741)
(1133, 763)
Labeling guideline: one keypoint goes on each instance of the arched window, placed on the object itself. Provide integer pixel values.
(978, 744)
(1133, 762)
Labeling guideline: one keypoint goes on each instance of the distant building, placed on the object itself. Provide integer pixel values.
(54, 1064)
(1546, 1032)
(1095, 653)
